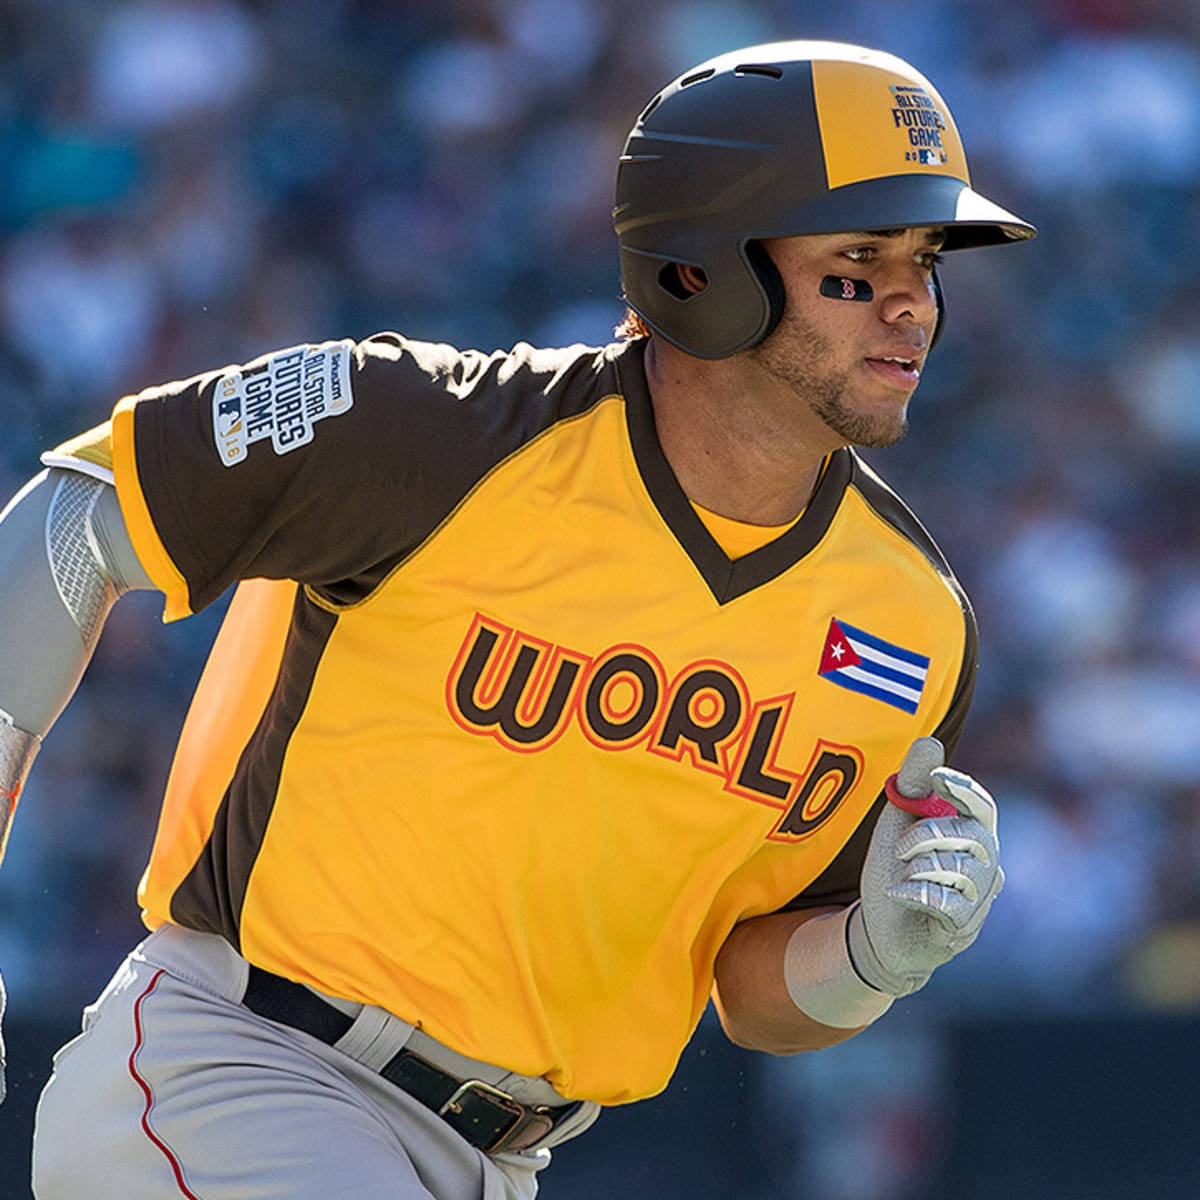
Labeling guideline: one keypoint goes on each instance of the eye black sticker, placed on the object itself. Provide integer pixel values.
(838, 287)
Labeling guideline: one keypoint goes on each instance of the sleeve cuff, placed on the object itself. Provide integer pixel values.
(142, 532)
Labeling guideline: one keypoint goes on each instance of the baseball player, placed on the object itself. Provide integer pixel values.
(561, 690)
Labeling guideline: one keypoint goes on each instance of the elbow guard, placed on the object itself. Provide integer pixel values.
(65, 557)
(88, 551)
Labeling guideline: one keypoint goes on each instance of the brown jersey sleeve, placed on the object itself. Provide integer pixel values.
(328, 464)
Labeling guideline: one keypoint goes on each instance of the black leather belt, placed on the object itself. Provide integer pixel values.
(489, 1118)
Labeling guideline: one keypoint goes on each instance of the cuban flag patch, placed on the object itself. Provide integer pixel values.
(862, 662)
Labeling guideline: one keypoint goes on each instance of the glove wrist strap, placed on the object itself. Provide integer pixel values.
(866, 962)
(821, 978)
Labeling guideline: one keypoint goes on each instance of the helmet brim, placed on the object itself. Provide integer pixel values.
(969, 218)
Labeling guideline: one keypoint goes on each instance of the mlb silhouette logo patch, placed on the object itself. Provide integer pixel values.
(864, 663)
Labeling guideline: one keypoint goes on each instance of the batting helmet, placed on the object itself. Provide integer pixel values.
(788, 138)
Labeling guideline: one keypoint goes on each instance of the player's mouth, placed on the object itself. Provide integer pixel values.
(897, 370)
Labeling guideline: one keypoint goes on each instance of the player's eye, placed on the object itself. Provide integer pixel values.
(930, 259)
(859, 254)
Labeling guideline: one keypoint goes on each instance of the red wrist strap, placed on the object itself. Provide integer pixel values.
(922, 806)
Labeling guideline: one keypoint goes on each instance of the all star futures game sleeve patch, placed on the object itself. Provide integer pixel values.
(281, 400)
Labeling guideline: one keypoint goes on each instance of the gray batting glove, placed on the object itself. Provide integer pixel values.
(927, 883)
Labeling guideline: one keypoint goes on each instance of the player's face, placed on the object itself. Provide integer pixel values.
(854, 362)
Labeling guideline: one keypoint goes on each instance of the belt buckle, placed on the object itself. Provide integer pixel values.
(529, 1123)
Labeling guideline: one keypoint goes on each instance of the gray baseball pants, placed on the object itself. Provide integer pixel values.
(175, 1091)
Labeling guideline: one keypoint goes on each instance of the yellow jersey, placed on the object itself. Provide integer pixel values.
(495, 735)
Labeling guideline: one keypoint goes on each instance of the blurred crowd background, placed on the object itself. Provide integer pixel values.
(187, 183)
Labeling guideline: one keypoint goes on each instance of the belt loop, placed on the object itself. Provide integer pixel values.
(374, 1038)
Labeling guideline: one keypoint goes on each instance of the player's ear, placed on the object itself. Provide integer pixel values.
(683, 280)
(693, 279)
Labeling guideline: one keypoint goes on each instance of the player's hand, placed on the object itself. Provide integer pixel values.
(927, 882)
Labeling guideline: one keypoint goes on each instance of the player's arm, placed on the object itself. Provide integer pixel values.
(751, 994)
(796, 981)
(65, 558)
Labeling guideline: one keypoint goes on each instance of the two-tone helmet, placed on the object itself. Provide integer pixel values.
(787, 138)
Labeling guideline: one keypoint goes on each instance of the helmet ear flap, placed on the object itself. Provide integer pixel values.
(771, 282)
(941, 308)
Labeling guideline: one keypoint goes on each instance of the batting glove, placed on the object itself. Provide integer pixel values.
(927, 882)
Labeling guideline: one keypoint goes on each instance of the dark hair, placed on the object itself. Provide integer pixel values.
(631, 327)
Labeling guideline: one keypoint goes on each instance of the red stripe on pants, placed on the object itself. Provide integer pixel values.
(166, 1150)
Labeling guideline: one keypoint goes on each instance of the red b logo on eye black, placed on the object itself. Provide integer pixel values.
(840, 287)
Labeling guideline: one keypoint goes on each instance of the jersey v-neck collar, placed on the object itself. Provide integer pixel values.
(726, 578)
